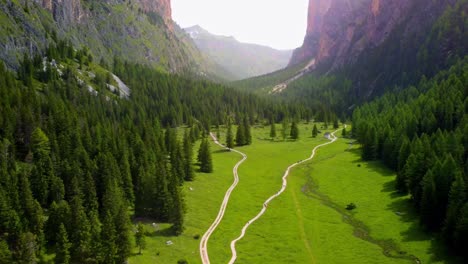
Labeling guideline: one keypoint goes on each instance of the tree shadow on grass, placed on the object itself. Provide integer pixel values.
(389, 187)
(166, 232)
(220, 151)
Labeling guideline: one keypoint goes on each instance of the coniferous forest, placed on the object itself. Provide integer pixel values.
(95, 148)
(77, 164)
(422, 133)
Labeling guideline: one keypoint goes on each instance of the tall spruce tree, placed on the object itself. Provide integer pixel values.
(188, 158)
(62, 254)
(284, 129)
(140, 240)
(247, 132)
(315, 131)
(294, 131)
(206, 163)
(273, 131)
(240, 136)
(229, 136)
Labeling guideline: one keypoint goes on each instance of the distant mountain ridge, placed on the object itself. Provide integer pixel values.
(243, 60)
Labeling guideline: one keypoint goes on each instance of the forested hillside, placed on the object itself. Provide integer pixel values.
(422, 133)
(138, 31)
(78, 159)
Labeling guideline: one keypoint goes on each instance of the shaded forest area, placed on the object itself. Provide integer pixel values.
(422, 133)
(77, 163)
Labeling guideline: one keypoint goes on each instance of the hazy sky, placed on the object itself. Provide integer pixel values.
(279, 24)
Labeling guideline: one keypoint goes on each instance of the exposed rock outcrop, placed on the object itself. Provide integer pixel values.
(338, 31)
(317, 11)
(64, 11)
(135, 30)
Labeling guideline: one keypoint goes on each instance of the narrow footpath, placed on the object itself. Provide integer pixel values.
(204, 241)
(332, 139)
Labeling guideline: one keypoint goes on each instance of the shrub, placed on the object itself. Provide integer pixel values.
(350, 207)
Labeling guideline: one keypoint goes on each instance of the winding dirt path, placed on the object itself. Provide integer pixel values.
(204, 241)
(332, 139)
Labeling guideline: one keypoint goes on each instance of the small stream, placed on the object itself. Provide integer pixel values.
(389, 247)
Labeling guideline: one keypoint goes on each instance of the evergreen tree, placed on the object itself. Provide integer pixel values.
(5, 253)
(284, 130)
(206, 163)
(403, 155)
(79, 233)
(188, 158)
(336, 125)
(315, 131)
(108, 235)
(294, 131)
(27, 248)
(62, 254)
(42, 172)
(229, 137)
(457, 197)
(178, 210)
(240, 136)
(247, 133)
(122, 238)
(127, 183)
(343, 132)
(273, 131)
(140, 240)
(59, 214)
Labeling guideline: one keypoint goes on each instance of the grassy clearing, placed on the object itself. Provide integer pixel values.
(307, 223)
(203, 203)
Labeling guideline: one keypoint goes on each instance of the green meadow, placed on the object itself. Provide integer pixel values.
(308, 223)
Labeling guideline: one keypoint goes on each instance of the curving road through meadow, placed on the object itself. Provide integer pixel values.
(204, 241)
(332, 139)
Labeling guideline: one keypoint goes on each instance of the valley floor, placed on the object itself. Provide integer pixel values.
(308, 223)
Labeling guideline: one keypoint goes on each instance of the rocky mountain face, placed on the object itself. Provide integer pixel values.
(316, 14)
(338, 31)
(242, 60)
(138, 30)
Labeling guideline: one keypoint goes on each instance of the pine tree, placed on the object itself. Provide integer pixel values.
(59, 214)
(96, 229)
(273, 131)
(240, 136)
(315, 131)
(79, 233)
(188, 158)
(206, 163)
(127, 183)
(122, 238)
(62, 254)
(43, 171)
(27, 248)
(109, 249)
(336, 125)
(247, 132)
(343, 132)
(5, 253)
(178, 210)
(229, 137)
(294, 131)
(403, 155)
(284, 130)
(457, 197)
(140, 240)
